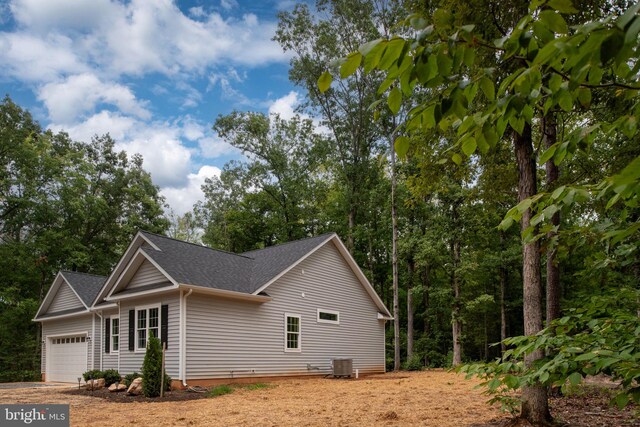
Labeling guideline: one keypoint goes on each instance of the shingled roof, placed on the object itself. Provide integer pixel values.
(87, 286)
(198, 265)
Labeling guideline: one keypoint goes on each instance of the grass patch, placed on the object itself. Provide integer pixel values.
(256, 386)
(220, 390)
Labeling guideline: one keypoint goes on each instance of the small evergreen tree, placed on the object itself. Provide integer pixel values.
(152, 368)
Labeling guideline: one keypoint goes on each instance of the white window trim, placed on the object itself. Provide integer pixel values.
(332, 322)
(293, 350)
(135, 336)
(111, 335)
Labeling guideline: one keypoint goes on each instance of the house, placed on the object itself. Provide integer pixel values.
(286, 310)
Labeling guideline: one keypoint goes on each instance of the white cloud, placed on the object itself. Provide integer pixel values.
(197, 12)
(182, 199)
(212, 147)
(228, 4)
(79, 94)
(285, 106)
(35, 59)
(118, 126)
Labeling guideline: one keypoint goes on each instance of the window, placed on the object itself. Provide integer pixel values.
(328, 316)
(292, 333)
(147, 325)
(115, 334)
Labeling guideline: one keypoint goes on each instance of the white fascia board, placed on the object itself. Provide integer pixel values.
(222, 293)
(140, 253)
(62, 316)
(103, 307)
(292, 266)
(358, 272)
(53, 289)
(74, 291)
(383, 317)
(136, 242)
(142, 293)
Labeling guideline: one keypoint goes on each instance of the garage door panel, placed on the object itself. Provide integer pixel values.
(67, 358)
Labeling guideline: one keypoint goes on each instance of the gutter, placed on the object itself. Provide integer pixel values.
(183, 335)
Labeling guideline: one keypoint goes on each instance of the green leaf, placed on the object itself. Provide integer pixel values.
(456, 159)
(611, 46)
(575, 378)
(487, 87)
(548, 154)
(402, 145)
(324, 82)
(584, 97)
(366, 48)
(469, 146)
(350, 65)
(621, 400)
(554, 21)
(391, 53)
(565, 101)
(562, 6)
(394, 100)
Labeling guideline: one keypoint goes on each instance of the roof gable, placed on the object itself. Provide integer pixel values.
(70, 292)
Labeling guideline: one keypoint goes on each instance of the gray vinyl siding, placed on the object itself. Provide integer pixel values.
(131, 361)
(64, 299)
(68, 326)
(226, 335)
(147, 274)
(109, 360)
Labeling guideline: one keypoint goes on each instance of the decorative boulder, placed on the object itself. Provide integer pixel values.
(114, 388)
(136, 387)
(95, 384)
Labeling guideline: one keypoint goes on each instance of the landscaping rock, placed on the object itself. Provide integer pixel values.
(136, 387)
(113, 388)
(95, 384)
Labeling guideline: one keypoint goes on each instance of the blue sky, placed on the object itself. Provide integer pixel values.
(153, 73)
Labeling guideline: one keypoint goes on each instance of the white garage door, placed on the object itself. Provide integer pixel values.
(67, 359)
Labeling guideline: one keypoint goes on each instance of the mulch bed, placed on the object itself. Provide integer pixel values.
(592, 409)
(123, 397)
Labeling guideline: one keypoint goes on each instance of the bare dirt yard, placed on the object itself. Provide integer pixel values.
(432, 398)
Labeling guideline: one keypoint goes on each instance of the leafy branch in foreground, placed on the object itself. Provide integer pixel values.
(600, 337)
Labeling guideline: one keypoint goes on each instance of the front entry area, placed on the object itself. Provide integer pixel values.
(67, 358)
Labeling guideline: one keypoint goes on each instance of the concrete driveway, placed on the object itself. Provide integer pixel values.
(9, 386)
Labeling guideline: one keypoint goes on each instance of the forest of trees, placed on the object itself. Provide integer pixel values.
(494, 122)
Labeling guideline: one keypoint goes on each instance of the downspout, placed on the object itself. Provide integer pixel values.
(183, 335)
(99, 313)
(93, 342)
(119, 341)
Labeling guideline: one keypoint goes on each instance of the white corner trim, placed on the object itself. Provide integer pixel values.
(292, 266)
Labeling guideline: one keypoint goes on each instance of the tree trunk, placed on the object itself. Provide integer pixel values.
(549, 135)
(426, 283)
(410, 308)
(456, 323)
(535, 407)
(503, 291)
(394, 264)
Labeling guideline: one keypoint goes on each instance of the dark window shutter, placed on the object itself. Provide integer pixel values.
(107, 335)
(164, 325)
(132, 330)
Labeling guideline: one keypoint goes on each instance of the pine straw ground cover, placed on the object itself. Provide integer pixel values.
(432, 398)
